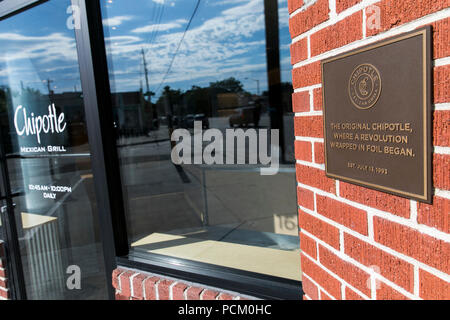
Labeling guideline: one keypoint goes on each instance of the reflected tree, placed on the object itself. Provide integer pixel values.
(227, 85)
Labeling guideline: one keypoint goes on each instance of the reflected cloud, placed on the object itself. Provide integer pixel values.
(47, 48)
(226, 2)
(161, 27)
(215, 45)
(226, 36)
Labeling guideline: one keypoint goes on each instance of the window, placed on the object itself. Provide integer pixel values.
(48, 161)
(186, 76)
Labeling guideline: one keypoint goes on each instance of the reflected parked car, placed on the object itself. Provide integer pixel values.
(176, 121)
(244, 117)
(203, 118)
(188, 121)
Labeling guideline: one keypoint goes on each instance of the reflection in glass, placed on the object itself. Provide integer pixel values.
(43, 126)
(173, 64)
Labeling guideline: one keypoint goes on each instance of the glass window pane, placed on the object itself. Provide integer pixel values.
(44, 133)
(190, 74)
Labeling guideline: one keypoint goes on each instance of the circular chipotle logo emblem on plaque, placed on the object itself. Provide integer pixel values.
(364, 86)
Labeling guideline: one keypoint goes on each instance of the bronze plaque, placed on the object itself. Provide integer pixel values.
(377, 116)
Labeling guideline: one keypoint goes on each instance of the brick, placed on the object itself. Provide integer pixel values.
(441, 128)
(294, 5)
(352, 295)
(315, 178)
(344, 214)
(376, 199)
(2, 264)
(395, 13)
(319, 156)
(2, 250)
(308, 126)
(2, 273)
(150, 288)
(299, 51)
(308, 245)
(125, 283)
(398, 271)
(337, 35)
(345, 270)
(309, 18)
(138, 287)
(225, 296)
(178, 291)
(307, 75)
(193, 293)
(4, 283)
(432, 287)
(4, 294)
(310, 289)
(441, 168)
(342, 5)
(300, 101)
(320, 276)
(319, 228)
(324, 296)
(209, 295)
(317, 99)
(305, 198)
(385, 292)
(436, 215)
(441, 84)
(422, 247)
(115, 277)
(303, 150)
(164, 289)
(441, 38)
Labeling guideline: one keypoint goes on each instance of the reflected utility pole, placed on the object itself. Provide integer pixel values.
(146, 76)
(257, 84)
(50, 91)
(148, 93)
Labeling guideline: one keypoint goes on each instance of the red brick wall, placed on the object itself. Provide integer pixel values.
(137, 285)
(358, 243)
(4, 291)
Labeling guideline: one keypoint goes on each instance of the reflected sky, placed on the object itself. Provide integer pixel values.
(226, 38)
(33, 51)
